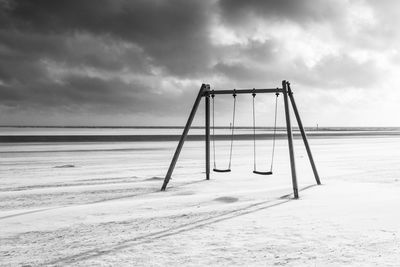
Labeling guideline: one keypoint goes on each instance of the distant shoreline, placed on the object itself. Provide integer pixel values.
(163, 138)
(308, 128)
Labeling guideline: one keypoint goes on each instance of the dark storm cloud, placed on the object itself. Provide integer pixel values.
(79, 93)
(254, 50)
(104, 36)
(236, 11)
(171, 33)
(168, 31)
(239, 72)
(148, 56)
(77, 50)
(74, 89)
(331, 72)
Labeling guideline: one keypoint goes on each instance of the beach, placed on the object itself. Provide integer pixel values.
(199, 133)
(99, 203)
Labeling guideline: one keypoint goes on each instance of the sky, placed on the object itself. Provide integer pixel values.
(142, 62)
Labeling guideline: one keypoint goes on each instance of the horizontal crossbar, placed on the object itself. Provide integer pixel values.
(243, 91)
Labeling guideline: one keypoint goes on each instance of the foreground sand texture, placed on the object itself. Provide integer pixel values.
(86, 204)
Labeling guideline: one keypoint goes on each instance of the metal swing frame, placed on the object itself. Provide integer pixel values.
(206, 93)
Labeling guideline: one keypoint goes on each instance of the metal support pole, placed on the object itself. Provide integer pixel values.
(183, 137)
(303, 134)
(207, 128)
(290, 140)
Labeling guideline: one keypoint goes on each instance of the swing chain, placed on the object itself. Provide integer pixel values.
(273, 138)
(232, 132)
(213, 127)
(233, 128)
(254, 132)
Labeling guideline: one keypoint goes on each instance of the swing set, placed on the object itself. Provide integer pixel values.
(215, 169)
(206, 92)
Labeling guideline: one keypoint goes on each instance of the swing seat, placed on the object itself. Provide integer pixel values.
(219, 170)
(263, 173)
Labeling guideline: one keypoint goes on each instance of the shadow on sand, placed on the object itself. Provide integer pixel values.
(93, 253)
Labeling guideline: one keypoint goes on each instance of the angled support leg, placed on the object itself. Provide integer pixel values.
(290, 140)
(207, 129)
(183, 136)
(303, 134)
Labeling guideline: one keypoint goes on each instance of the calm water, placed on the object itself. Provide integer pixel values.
(104, 134)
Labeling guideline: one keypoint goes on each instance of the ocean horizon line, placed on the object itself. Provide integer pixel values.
(175, 137)
(320, 128)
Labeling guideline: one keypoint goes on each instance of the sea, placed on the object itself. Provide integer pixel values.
(21, 134)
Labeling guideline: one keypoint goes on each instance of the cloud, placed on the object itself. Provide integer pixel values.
(147, 58)
(173, 33)
(344, 71)
(100, 55)
(304, 11)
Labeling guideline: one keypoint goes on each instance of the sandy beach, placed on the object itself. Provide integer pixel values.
(98, 99)
(87, 204)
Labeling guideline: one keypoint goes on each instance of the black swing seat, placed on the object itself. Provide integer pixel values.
(225, 170)
(263, 173)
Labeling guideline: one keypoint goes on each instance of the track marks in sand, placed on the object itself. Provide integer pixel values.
(65, 199)
(83, 182)
(52, 201)
(201, 220)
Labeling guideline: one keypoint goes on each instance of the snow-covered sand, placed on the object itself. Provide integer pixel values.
(99, 204)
